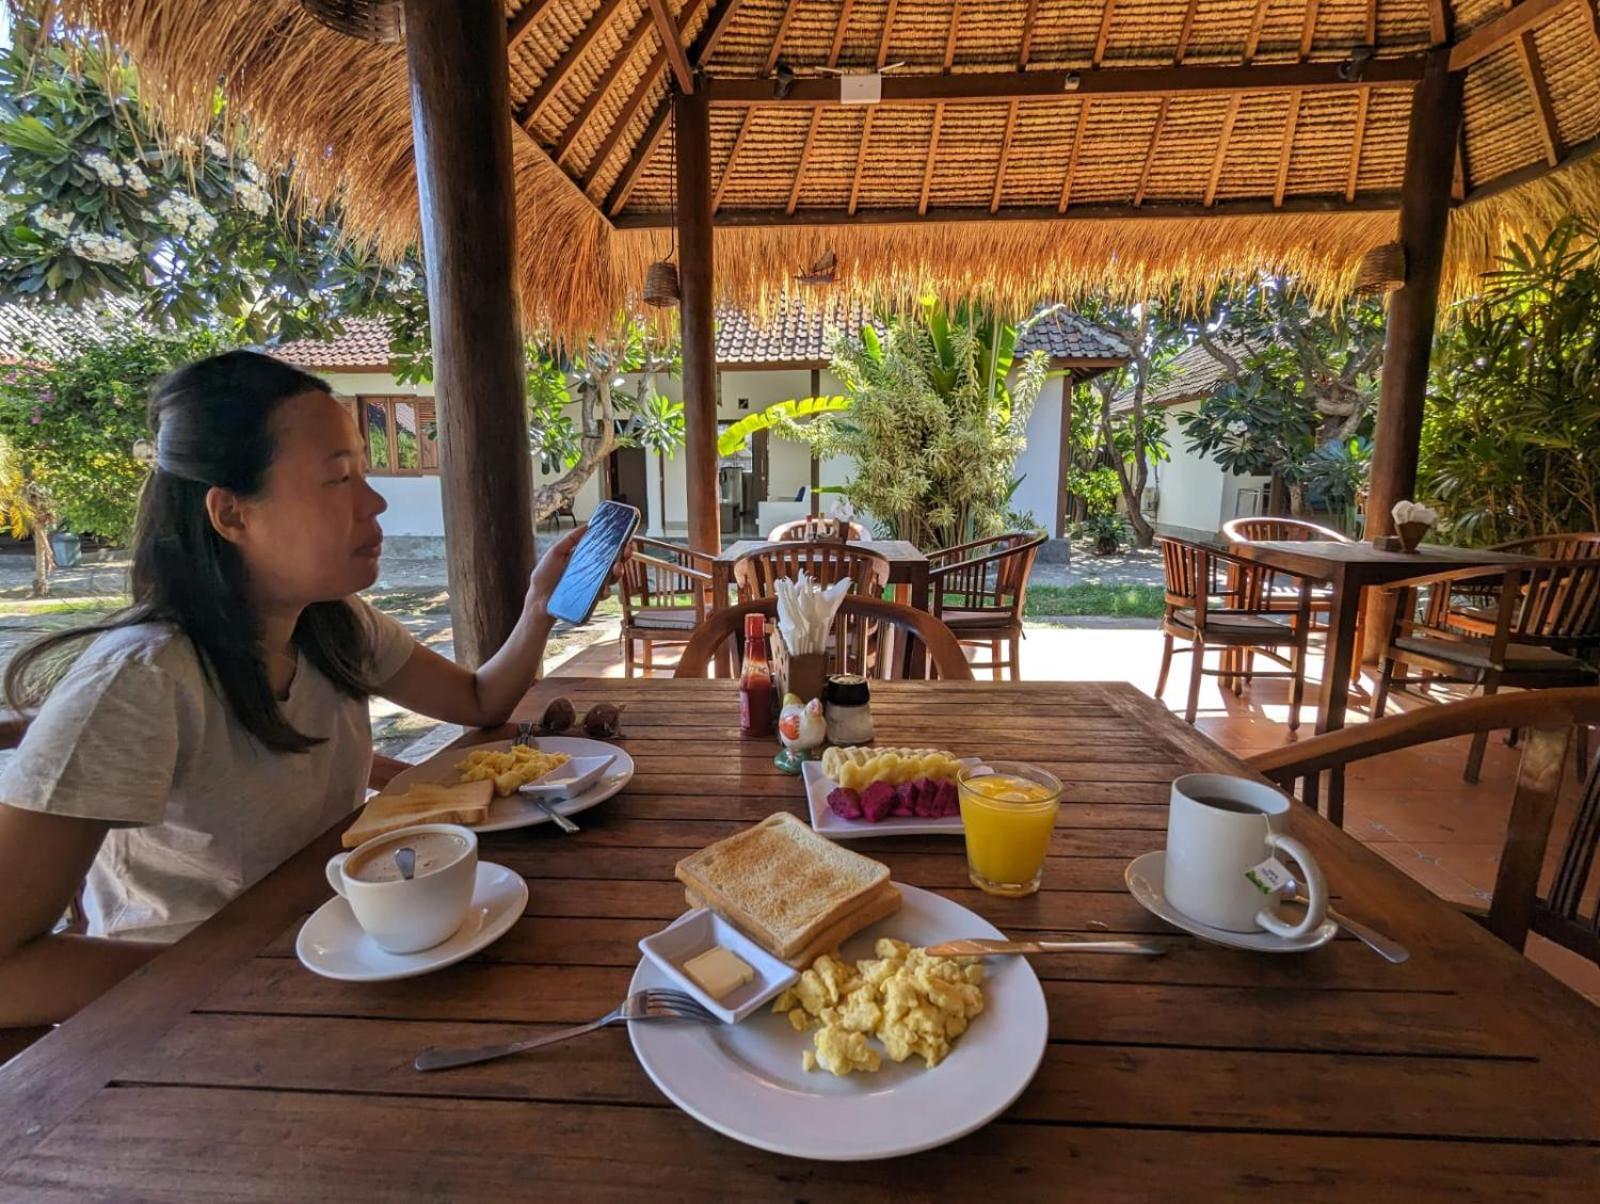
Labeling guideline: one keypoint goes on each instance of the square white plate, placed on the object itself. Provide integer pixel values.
(819, 786)
(574, 777)
(690, 935)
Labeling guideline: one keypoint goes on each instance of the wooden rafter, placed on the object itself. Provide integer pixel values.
(933, 153)
(1185, 32)
(888, 32)
(1308, 28)
(562, 68)
(805, 160)
(653, 133)
(602, 88)
(1458, 174)
(733, 158)
(1228, 119)
(861, 162)
(1544, 108)
(523, 22)
(1372, 23)
(1005, 156)
(1252, 41)
(672, 43)
(1072, 156)
(816, 114)
(950, 37)
(710, 35)
(1363, 99)
(776, 52)
(1438, 22)
(1150, 152)
(840, 30)
(1030, 20)
(1105, 32)
(1503, 30)
(1287, 150)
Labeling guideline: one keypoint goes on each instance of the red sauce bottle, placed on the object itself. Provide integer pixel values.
(758, 695)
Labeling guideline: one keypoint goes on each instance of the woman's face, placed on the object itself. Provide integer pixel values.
(311, 533)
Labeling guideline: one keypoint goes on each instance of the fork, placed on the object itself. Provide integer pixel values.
(653, 1004)
(525, 736)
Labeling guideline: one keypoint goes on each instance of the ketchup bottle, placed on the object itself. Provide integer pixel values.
(758, 695)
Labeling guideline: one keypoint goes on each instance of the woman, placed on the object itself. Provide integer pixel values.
(215, 727)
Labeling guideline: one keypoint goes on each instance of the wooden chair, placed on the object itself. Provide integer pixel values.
(849, 654)
(663, 592)
(1549, 716)
(817, 529)
(1470, 606)
(978, 589)
(560, 512)
(1191, 583)
(1543, 609)
(823, 562)
(1283, 595)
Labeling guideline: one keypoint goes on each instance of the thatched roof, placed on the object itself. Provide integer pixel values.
(1191, 139)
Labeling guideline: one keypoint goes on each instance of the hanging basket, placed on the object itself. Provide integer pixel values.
(369, 20)
(661, 284)
(1382, 269)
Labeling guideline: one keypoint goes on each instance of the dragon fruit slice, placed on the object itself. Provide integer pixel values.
(845, 803)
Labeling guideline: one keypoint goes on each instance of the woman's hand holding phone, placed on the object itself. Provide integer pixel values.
(549, 569)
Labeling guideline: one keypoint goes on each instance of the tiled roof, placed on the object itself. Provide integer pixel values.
(1191, 374)
(1063, 335)
(790, 334)
(364, 344)
(45, 333)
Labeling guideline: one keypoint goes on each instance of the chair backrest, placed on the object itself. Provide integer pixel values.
(816, 528)
(1270, 526)
(1559, 603)
(823, 562)
(985, 574)
(661, 574)
(1579, 545)
(1549, 716)
(850, 655)
(1189, 570)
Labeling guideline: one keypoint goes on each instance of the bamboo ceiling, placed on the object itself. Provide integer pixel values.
(1025, 148)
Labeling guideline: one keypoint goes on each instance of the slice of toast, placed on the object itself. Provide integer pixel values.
(877, 905)
(780, 882)
(424, 803)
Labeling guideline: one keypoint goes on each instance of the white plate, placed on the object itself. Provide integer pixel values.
(523, 811)
(819, 785)
(331, 943)
(690, 935)
(745, 1080)
(571, 779)
(1145, 876)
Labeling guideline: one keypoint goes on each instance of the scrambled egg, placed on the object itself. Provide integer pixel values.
(517, 766)
(911, 1002)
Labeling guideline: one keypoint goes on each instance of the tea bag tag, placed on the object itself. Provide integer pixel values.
(1270, 876)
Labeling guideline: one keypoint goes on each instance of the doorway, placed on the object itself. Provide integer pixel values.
(625, 478)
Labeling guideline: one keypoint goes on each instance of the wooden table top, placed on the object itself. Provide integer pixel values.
(1328, 557)
(224, 1070)
(895, 551)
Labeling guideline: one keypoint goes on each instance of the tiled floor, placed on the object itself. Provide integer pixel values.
(1410, 807)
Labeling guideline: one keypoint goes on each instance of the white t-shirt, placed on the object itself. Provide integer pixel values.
(135, 733)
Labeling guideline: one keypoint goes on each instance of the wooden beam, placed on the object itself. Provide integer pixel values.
(1252, 41)
(1132, 81)
(1544, 108)
(1150, 152)
(520, 25)
(733, 157)
(861, 163)
(1578, 153)
(1005, 155)
(653, 133)
(602, 88)
(1287, 151)
(1105, 32)
(1185, 32)
(888, 32)
(1308, 28)
(1372, 24)
(1503, 30)
(840, 30)
(927, 168)
(667, 31)
(1363, 99)
(805, 159)
(705, 44)
(950, 37)
(1063, 460)
(1438, 23)
(561, 69)
(1030, 20)
(776, 52)
(1072, 157)
(1372, 202)
(467, 197)
(1215, 179)
(696, 318)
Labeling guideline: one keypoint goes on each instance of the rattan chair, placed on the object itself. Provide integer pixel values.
(663, 591)
(817, 529)
(979, 588)
(849, 650)
(1194, 575)
(823, 562)
(1549, 716)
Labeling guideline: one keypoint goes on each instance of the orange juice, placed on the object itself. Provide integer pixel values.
(1008, 811)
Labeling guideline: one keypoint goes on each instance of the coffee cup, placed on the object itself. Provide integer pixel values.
(407, 915)
(1218, 829)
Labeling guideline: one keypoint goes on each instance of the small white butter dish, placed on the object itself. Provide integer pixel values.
(690, 935)
(568, 779)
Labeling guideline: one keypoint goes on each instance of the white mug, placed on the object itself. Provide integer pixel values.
(407, 915)
(1209, 849)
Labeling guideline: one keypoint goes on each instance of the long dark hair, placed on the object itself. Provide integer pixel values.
(213, 427)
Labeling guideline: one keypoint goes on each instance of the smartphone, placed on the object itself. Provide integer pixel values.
(588, 573)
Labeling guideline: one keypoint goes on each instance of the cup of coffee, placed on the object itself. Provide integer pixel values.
(407, 915)
(1218, 829)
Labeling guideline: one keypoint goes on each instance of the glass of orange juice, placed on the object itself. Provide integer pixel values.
(1008, 811)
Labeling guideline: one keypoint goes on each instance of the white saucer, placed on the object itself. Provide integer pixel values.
(1145, 876)
(333, 945)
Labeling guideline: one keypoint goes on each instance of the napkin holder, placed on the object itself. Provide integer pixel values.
(1411, 534)
(803, 675)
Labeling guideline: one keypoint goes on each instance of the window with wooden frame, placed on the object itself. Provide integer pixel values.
(401, 434)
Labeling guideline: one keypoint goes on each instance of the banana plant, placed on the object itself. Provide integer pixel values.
(732, 440)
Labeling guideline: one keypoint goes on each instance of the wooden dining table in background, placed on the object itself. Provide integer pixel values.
(908, 568)
(224, 1070)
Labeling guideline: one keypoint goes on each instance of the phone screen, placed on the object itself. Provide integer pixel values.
(610, 527)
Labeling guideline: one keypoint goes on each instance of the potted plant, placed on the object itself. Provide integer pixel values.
(1106, 530)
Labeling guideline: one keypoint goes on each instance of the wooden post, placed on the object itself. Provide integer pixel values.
(461, 125)
(816, 465)
(1424, 217)
(1064, 457)
(692, 149)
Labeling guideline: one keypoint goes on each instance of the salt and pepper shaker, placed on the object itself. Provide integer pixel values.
(847, 706)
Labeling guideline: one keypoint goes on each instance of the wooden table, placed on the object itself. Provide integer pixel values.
(224, 1070)
(908, 567)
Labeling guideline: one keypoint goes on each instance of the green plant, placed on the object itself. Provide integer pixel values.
(1336, 472)
(1511, 437)
(783, 418)
(1106, 531)
(1089, 598)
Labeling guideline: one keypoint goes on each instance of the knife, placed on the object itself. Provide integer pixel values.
(980, 947)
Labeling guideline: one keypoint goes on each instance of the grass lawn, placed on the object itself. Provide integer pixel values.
(1117, 601)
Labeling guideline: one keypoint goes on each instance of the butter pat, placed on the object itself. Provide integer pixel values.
(717, 972)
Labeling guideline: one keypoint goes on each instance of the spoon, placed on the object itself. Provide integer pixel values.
(1385, 947)
(406, 859)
